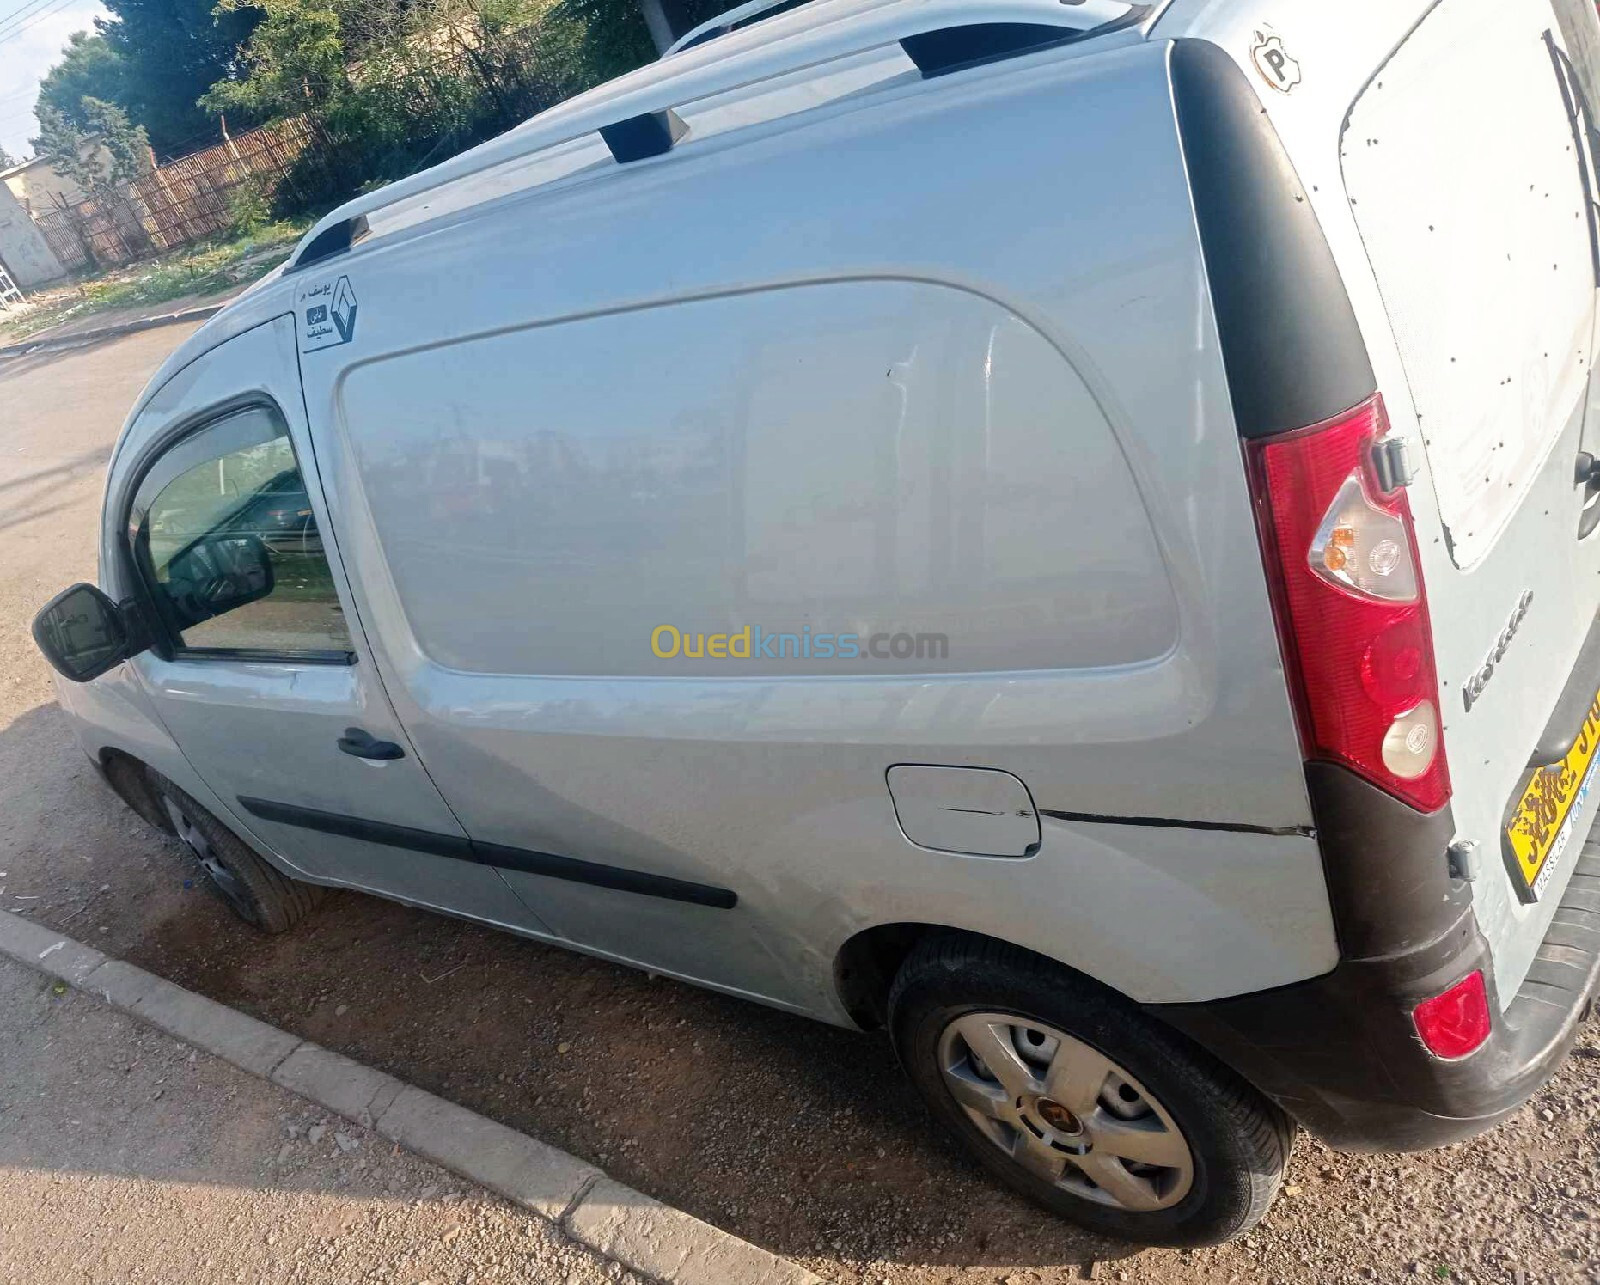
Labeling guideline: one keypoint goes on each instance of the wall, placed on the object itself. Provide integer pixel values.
(23, 249)
(38, 184)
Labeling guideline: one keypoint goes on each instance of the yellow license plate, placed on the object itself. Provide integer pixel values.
(1541, 827)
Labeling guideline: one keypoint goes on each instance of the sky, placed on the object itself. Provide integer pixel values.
(32, 35)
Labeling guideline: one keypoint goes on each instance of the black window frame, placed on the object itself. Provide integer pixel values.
(166, 639)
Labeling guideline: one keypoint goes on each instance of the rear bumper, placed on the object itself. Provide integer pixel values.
(1340, 1054)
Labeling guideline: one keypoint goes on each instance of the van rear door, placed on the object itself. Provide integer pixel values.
(1467, 167)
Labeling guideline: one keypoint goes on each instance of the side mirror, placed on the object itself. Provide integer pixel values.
(218, 574)
(82, 633)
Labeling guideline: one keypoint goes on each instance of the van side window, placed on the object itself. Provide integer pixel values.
(225, 541)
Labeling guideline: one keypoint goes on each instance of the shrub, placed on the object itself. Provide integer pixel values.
(248, 209)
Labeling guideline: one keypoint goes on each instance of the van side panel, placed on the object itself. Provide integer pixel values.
(814, 464)
(942, 383)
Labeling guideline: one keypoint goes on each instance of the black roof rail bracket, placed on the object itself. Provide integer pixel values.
(947, 49)
(641, 137)
(333, 240)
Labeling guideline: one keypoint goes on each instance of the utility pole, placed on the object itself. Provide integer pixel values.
(655, 17)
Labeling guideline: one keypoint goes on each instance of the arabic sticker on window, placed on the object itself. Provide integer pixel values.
(327, 314)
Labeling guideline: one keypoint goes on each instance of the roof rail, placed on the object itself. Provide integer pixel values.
(729, 20)
(811, 36)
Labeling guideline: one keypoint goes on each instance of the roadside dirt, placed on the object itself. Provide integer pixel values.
(801, 1138)
(25, 329)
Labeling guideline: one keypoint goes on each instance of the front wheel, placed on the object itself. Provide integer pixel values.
(1074, 1098)
(256, 891)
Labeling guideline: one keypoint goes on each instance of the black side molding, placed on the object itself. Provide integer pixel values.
(1290, 340)
(332, 241)
(395, 836)
(501, 857)
(641, 137)
(590, 872)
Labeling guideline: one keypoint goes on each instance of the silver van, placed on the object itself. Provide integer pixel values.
(1065, 531)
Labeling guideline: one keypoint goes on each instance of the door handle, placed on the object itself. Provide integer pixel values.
(359, 742)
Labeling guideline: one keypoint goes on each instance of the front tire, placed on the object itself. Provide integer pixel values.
(1073, 1097)
(256, 891)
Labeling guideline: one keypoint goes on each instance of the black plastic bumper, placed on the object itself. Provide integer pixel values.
(1341, 1055)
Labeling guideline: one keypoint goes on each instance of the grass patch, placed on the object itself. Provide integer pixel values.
(209, 267)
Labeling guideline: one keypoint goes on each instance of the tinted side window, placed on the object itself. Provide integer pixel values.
(238, 478)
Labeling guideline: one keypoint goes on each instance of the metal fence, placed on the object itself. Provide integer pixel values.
(178, 203)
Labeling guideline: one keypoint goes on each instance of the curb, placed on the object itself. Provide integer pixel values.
(112, 332)
(615, 1221)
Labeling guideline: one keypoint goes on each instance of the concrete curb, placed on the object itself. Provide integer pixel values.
(112, 332)
(615, 1221)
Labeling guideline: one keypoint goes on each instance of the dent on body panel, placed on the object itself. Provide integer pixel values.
(1141, 910)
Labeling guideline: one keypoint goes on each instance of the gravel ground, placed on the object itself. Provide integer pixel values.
(798, 1137)
(127, 1156)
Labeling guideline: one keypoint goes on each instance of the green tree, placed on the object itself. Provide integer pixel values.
(104, 152)
(102, 156)
(7, 160)
(173, 51)
(295, 62)
(395, 85)
(616, 37)
(623, 34)
(89, 69)
(154, 59)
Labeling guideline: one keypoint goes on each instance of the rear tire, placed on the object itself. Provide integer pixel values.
(1208, 1151)
(253, 889)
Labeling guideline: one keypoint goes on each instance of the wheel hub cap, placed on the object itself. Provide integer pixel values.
(193, 838)
(1065, 1112)
(1058, 1118)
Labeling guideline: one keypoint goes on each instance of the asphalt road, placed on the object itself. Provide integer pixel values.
(798, 1137)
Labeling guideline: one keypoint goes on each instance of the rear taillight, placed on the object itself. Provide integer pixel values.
(1457, 1022)
(1350, 603)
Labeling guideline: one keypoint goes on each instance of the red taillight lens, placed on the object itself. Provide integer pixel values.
(1351, 606)
(1457, 1022)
